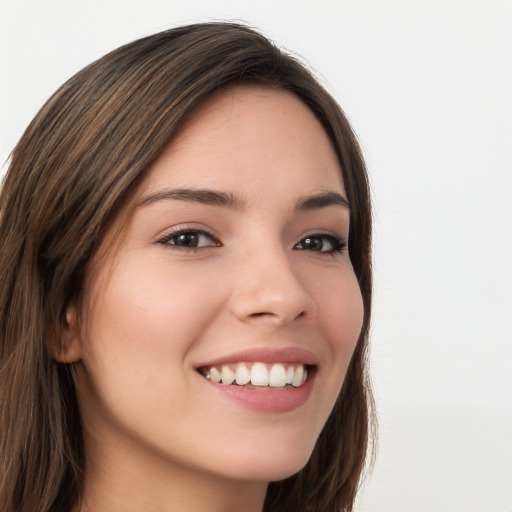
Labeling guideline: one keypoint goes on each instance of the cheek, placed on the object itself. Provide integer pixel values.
(340, 311)
(142, 323)
(339, 318)
(158, 303)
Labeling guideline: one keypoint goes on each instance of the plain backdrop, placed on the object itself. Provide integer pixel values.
(428, 89)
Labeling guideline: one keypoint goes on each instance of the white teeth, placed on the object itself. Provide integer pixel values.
(297, 378)
(289, 375)
(215, 375)
(259, 375)
(277, 376)
(228, 375)
(243, 375)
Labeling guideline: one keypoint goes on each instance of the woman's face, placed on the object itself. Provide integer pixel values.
(232, 265)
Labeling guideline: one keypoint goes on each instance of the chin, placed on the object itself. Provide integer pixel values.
(270, 465)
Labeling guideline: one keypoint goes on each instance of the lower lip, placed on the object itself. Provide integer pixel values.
(267, 400)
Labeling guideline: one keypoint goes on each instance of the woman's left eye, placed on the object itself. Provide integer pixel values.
(329, 244)
(189, 239)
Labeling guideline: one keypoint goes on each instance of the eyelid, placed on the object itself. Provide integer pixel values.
(323, 232)
(186, 227)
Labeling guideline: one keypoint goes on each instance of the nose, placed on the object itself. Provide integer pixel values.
(268, 290)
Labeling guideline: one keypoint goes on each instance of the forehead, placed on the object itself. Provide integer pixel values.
(249, 138)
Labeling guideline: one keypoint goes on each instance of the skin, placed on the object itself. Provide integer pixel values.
(153, 427)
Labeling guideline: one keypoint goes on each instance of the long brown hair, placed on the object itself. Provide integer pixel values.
(72, 171)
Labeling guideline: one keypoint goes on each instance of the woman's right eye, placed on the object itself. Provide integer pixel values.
(189, 239)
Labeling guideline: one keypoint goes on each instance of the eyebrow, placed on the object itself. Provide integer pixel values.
(229, 200)
(321, 200)
(203, 196)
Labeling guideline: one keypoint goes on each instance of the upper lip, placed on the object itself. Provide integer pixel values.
(266, 355)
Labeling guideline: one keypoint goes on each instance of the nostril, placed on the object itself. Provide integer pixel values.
(262, 314)
(255, 315)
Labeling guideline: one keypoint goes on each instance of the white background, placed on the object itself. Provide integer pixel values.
(428, 88)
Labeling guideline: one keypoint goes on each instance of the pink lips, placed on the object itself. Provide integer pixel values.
(267, 400)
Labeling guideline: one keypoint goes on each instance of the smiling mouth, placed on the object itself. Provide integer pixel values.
(259, 375)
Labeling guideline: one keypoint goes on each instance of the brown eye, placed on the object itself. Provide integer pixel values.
(186, 240)
(322, 243)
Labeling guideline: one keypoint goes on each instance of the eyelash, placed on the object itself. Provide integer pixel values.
(337, 243)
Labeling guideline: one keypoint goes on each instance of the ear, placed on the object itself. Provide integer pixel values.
(70, 349)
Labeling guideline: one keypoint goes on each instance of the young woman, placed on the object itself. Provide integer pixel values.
(185, 287)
